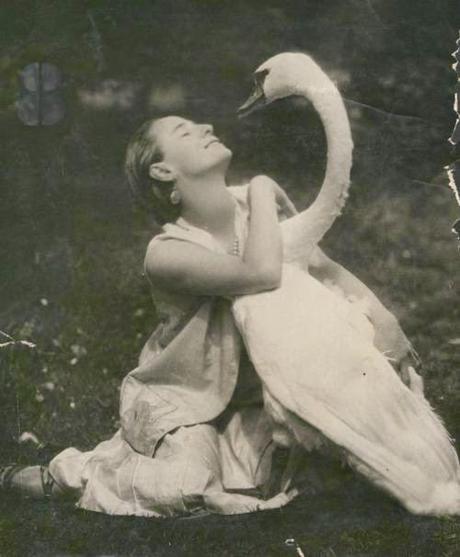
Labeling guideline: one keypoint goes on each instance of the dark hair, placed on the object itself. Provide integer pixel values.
(142, 151)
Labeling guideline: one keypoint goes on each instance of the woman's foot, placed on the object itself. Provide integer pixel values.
(7, 474)
(30, 481)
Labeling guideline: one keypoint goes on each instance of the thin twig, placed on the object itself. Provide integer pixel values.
(6, 335)
(442, 186)
(381, 111)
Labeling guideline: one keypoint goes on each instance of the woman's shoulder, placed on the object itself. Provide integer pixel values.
(154, 248)
(158, 241)
(175, 235)
(158, 256)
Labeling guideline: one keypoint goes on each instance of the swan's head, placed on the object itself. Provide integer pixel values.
(283, 75)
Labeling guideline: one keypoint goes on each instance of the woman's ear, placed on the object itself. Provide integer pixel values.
(161, 171)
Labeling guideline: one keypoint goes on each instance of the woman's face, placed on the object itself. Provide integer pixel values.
(189, 149)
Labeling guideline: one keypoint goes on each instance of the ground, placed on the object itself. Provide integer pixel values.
(410, 258)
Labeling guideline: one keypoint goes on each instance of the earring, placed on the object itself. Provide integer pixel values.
(175, 197)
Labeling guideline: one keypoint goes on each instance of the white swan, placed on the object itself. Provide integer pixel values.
(314, 351)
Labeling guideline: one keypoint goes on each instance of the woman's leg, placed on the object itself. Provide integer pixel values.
(184, 477)
(200, 486)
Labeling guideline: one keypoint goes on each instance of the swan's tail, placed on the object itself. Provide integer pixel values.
(445, 500)
(410, 481)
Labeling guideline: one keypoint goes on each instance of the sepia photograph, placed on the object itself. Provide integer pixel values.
(229, 278)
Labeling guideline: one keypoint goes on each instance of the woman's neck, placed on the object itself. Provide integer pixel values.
(208, 204)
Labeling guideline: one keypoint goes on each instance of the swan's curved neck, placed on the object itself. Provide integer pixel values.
(313, 223)
(331, 109)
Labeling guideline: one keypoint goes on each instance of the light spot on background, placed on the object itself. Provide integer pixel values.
(109, 94)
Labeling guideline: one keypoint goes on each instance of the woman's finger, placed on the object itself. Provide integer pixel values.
(415, 381)
(289, 206)
(292, 208)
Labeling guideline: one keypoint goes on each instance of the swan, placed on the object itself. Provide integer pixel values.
(324, 378)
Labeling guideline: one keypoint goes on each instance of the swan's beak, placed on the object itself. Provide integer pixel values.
(256, 101)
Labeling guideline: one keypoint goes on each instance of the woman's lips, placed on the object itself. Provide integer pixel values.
(215, 140)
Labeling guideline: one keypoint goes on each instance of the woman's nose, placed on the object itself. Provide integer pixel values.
(207, 128)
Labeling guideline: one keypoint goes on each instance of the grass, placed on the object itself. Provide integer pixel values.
(65, 391)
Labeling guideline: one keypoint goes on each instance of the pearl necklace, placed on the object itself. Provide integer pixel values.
(236, 247)
(235, 250)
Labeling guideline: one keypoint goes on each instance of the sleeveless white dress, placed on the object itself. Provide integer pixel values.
(194, 434)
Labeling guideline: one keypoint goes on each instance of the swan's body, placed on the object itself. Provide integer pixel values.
(315, 352)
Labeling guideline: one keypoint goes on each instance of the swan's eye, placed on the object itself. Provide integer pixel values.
(259, 77)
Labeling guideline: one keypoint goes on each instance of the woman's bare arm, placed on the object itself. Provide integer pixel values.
(186, 267)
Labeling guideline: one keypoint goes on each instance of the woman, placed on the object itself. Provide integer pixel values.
(195, 435)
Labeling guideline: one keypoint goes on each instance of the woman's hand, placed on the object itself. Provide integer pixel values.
(284, 205)
(408, 368)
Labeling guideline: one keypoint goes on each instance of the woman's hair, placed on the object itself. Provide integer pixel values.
(143, 151)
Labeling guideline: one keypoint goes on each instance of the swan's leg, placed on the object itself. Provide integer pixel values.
(296, 456)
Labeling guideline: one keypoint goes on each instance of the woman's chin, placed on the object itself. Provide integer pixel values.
(223, 158)
(222, 149)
